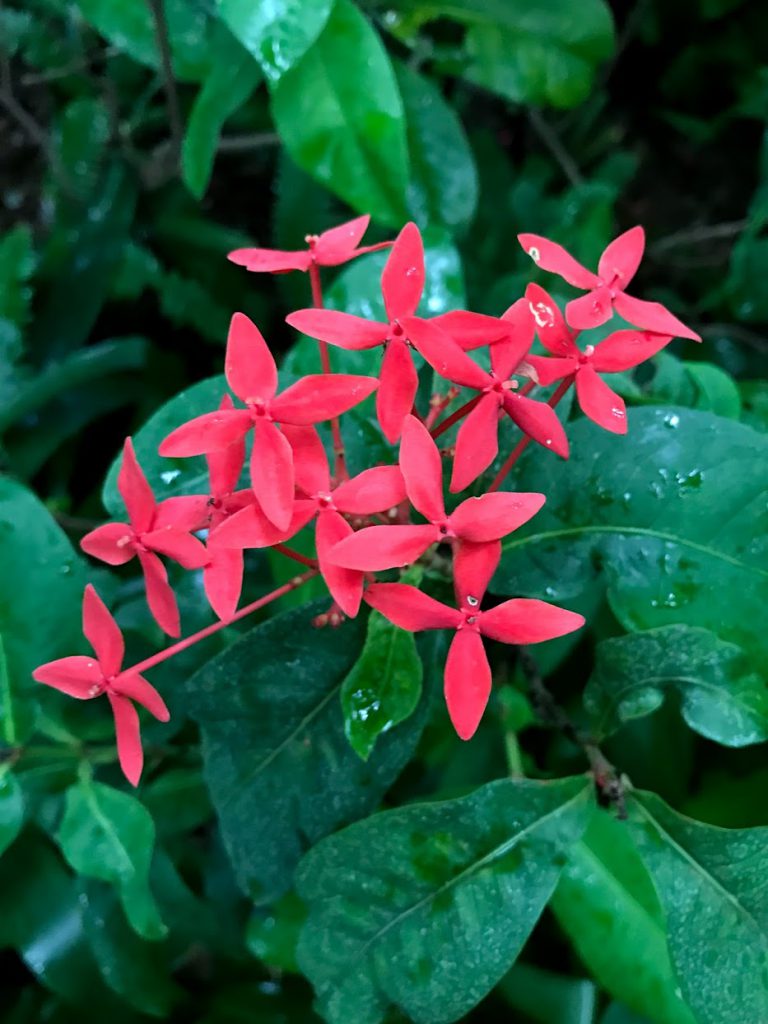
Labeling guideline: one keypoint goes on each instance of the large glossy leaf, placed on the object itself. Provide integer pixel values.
(673, 518)
(280, 769)
(109, 835)
(722, 697)
(340, 116)
(606, 904)
(277, 34)
(713, 887)
(426, 907)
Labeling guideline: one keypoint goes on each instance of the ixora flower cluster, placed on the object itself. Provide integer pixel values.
(365, 524)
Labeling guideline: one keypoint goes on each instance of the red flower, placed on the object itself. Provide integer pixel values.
(373, 490)
(467, 680)
(83, 678)
(330, 249)
(619, 351)
(476, 520)
(153, 530)
(252, 374)
(615, 270)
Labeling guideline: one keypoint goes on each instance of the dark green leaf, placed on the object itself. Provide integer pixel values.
(80, 143)
(712, 887)
(718, 391)
(548, 997)
(276, 34)
(340, 116)
(11, 808)
(16, 266)
(273, 934)
(280, 769)
(427, 907)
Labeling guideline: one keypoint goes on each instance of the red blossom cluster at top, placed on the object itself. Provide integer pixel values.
(387, 516)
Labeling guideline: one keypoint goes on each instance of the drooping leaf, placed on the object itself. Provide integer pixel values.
(276, 34)
(426, 907)
(340, 116)
(607, 906)
(11, 808)
(109, 835)
(712, 884)
(279, 767)
(722, 697)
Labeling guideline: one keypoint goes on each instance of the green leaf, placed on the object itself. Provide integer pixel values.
(232, 79)
(711, 883)
(340, 116)
(273, 934)
(277, 34)
(548, 997)
(606, 904)
(168, 477)
(109, 835)
(718, 391)
(721, 696)
(667, 517)
(443, 185)
(384, 686)
(16, 267)
(427, 907)
(80, 143)
(11, 808)
(280, 770)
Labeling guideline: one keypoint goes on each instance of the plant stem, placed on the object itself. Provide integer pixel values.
(297, 556)
(438, 405)
(202, 634)
(340, 470)
(169, 82)
(455, 416)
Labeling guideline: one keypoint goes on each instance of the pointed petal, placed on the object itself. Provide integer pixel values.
(422, 470)
(590, 310)
(494, 515)
(310, 462)
(373, 490)
(250, 528)
(160, 596)
(223, 581)
(102, 632)
(551, 368)
(135, 687)
(411, 609)
(550, 323)
(443, 354)
(226, 465)
(599, 402)
(477, 443)
(621, 258)
(111, 543)
(272, 476)
(471, 330)
(509, 352)
(554, 258)
(337, 245)
(467, 682)
(623, 350)
(76, 676)
(383, 547)
(319, 397)
(188, 512)
(473, 569)
(539, 421)
(270, 261)
(398, 384)
(182, 547)
(129, 751)
(249, 365)
(652, 316)
(207, 433)
(135, 491)
(402, 280)
(524, 621)
(345, 585)
(342, 329)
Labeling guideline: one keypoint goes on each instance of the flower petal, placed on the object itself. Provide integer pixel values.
(590, 310)
(398, 384)
(383, 547)
(539, 421)
(467, 682)
(271, 261)
(411, 609)
(471, 330)
(443, 354)
(509, 352)
(422, 470)
(310, 462)
(621, 258)
(188, 512)
(473, 569)
(652, 316)
(477, 443)
(129, 751)
(373, 490)
(337, 245)
(272, 476)
(402, 280)
(494, 515)
(111, 543)
(525, 621)
(551, 368)
(226, 465)
(207, 433)
(160, 596)
(182, 547)
(135, 687)
(76, 676)
(319, 397)
(250, 528)
(342, 329)
(550, 323)
(135, 491)
(623, 350)
(249, 365)
(223, 581)
(102, 632)
(599, 402)
(554, 258)
(345, 585)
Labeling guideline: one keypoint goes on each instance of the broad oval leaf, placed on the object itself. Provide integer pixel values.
(426, 907)
(276, 34)
(713, 887)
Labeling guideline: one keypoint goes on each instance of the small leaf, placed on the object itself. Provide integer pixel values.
(718, 391)
(109, 835)
(11, 808)
(711, 883)
(277, 34)
(721, 698)
(427, 907)
(273, 934)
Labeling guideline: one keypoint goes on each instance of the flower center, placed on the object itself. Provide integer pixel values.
(324, 499)
(258, 407)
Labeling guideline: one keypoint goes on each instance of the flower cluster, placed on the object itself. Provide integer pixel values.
(387, 516)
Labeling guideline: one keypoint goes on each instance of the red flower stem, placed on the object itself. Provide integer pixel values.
(523, 443)
(340, 471)
(459, 414)
(295, 555)
(202, 634)
(438, 405)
